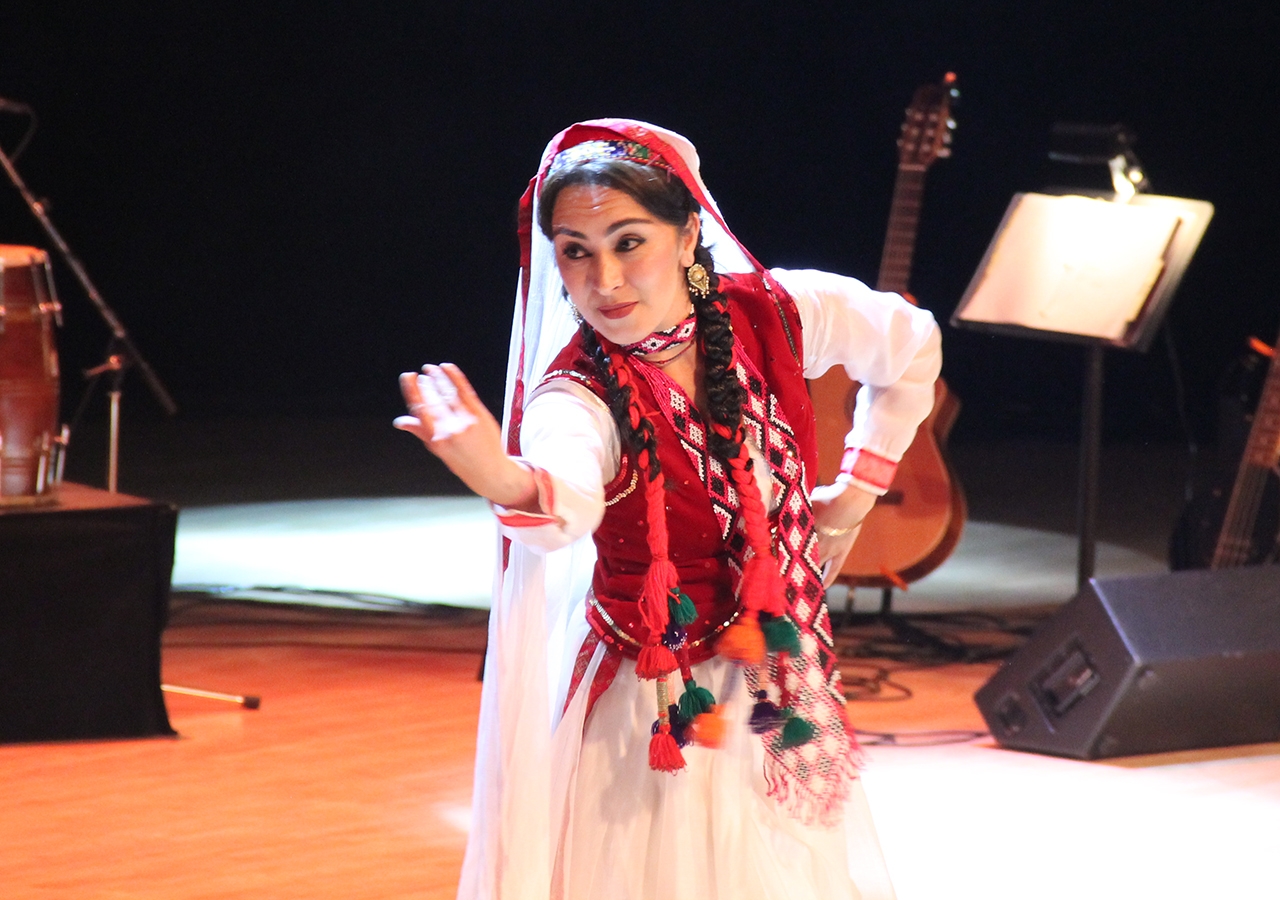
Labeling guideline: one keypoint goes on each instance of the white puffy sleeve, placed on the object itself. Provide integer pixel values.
(570, 441)
(892, 348)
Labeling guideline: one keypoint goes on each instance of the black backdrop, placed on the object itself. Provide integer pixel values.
(288, 203)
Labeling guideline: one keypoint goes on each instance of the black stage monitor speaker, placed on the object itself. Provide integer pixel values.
(1146, 665)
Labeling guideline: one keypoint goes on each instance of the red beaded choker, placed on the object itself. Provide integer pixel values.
(680, 333)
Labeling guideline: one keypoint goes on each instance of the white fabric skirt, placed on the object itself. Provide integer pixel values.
(710, 831)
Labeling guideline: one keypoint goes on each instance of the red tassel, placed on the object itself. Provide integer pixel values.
(654, 661)
(664, 752)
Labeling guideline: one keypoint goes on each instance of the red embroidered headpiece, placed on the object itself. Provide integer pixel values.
(627, 151)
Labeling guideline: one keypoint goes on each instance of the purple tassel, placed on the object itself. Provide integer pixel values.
(765, 716)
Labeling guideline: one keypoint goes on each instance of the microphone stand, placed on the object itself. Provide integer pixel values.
(121, 355)
(121, 352)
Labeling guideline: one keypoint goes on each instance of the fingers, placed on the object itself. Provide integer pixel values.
(419, 422)
(409, 389)
(449, 413)
(832, 552)
(462, 387)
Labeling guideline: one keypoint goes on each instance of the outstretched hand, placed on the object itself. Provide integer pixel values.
(450, 419)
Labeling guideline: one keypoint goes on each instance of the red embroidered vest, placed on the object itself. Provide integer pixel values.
(767, 329)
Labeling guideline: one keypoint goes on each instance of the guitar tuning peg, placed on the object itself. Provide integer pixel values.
(951, 124)
(946, 137)
(944, 152)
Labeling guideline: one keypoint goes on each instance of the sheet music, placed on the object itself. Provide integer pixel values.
(1075, 265)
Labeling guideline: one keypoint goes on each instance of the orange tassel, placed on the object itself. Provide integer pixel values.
(664, 752)
(708, 728)
(654, 661)
(743, 641)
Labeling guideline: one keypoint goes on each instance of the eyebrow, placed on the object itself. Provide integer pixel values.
(621, 223)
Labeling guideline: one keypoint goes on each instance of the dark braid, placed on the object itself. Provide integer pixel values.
(618, 397)
(715, 336)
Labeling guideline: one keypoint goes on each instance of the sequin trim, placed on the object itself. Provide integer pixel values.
(568, 373)
(613, 626)
(629, 488)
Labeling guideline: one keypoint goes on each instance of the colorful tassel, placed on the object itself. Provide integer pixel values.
(765, 716)
(655, 661)
(681, 608)
(664, 752)
(708, 729)
(743, 641)
(695, 700)
(679, 726)
(796, 732)
(781, 635)
(674, 638)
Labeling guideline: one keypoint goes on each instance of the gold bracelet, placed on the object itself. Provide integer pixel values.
(839, 532)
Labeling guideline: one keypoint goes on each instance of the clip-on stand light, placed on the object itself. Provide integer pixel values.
(121, 352)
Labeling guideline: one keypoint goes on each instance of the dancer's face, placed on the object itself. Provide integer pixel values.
(623, 267)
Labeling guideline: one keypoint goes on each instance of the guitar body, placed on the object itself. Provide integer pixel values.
(916, 525)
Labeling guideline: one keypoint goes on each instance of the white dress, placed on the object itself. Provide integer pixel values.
(618, 829)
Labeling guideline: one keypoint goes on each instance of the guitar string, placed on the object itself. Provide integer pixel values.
(1232, 548)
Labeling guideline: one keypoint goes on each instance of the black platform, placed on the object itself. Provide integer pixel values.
(84, 593)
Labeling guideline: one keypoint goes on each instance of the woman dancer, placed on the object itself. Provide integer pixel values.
(661, 715)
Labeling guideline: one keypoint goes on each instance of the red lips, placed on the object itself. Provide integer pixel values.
(616, 312)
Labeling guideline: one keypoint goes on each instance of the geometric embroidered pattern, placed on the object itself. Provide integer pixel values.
(813, 779)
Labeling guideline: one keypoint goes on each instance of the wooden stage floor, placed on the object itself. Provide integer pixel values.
(353, 781)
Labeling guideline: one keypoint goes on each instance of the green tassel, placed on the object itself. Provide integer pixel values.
(681, 608)
(780, 635)
(796, 732)
(695, 700)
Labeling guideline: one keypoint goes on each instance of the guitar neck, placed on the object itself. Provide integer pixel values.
(1261, 455)
(904, 222)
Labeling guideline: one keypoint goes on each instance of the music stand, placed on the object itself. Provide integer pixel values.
(1089, 270)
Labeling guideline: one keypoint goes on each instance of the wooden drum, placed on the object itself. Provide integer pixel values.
(30, 452)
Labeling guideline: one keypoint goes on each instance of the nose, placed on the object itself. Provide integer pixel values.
(608, 274)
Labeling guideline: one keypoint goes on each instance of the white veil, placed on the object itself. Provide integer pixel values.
(536, 623)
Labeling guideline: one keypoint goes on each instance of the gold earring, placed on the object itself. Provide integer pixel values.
(698, 279)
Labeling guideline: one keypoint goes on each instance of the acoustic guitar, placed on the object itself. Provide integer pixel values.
(916, 525)
(1221, 529)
